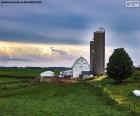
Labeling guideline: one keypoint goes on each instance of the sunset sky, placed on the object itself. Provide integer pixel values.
(57, 32)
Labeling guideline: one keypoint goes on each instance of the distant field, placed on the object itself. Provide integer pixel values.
(20, 72)
(54, 99)
(9, 79)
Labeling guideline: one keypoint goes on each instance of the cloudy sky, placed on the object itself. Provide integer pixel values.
(57, 32)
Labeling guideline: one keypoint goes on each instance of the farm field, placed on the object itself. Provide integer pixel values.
(21, 72)
(54, 99)
(10, 79)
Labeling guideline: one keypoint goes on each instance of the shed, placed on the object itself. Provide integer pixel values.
(47, 74)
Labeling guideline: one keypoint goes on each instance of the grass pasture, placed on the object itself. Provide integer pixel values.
(21, 97)
(21, 72)
(54, 99)
(121, 93)
(10, 79)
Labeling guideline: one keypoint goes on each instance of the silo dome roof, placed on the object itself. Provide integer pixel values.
(100, 30)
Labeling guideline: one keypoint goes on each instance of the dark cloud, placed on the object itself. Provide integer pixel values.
(61, 52)
(126, 24)
(24, 24)
(32, 37)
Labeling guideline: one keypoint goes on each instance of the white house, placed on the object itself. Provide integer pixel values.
(79, 66)
(47, 74)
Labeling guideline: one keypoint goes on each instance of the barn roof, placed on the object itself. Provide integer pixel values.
(79, 59)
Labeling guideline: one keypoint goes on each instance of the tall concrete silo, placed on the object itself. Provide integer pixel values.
(97, 52)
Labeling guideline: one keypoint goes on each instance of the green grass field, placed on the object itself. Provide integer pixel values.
(121, 93)
(9, 79)
(54, 99)
(21, 72)
(21, 97)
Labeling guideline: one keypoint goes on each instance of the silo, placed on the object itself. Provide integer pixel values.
(97, 52)
(91, 55)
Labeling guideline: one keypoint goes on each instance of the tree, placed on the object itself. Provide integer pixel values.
(120, 65)
(56, 71)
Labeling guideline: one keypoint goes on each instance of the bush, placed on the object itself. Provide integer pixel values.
(120, 65)
(136, 75)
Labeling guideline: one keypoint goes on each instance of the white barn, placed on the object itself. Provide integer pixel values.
(47, 74)
(79, 66)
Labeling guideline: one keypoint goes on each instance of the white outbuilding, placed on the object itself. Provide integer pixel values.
(79, 66)
(47, 74)
(67, 73)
